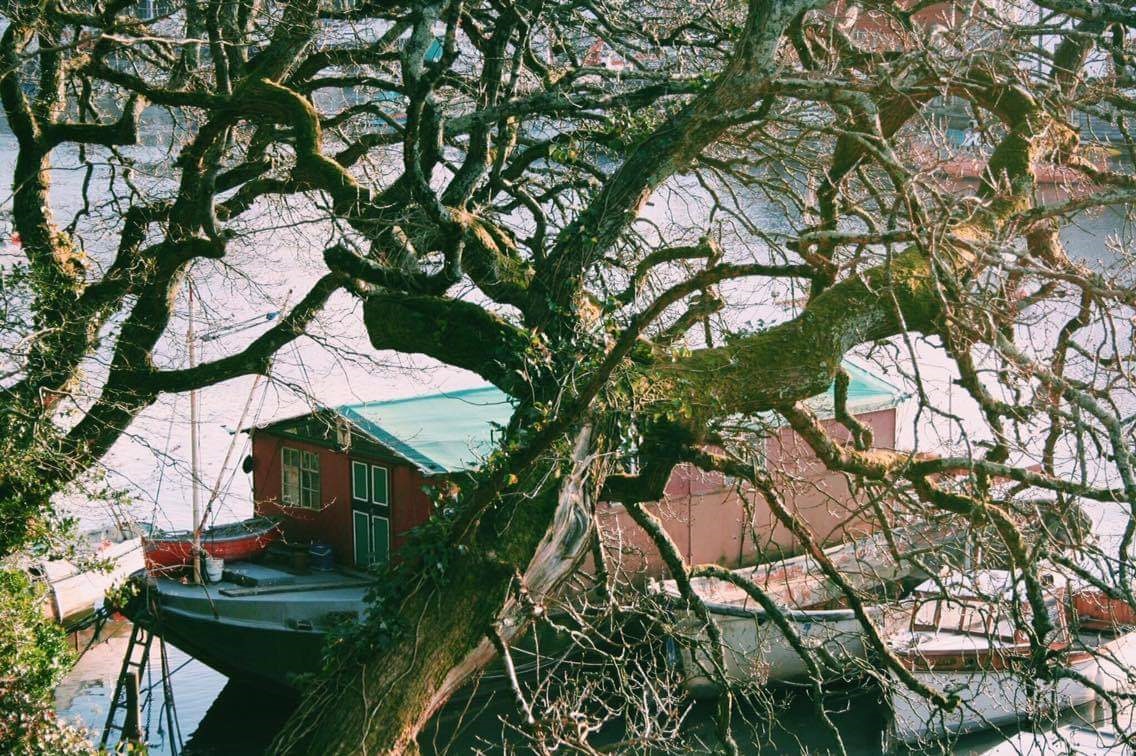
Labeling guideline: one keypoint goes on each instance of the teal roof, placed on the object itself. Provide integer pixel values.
(867, 392)
(439, 433)
(456, 430)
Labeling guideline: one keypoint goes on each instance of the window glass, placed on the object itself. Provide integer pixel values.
(290, 489)
(301, 478)
(309, 480)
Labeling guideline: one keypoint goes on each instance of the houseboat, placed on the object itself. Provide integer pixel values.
(356, 477)
(353, 480)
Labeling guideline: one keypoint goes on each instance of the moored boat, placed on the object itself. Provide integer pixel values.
(77, 586)
(260, 624)
(967, 637)
(231, 542)
(962, 164)
(755, 649)
(266, 623)
(1095, 609)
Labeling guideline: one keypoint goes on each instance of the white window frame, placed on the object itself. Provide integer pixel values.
(307, 496)
(367, 470)
(386, 481)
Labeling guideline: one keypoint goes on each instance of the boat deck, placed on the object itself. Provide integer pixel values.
(267, 595)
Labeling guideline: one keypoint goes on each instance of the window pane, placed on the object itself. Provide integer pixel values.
(311, 461)
(301, 478)
(380, 493)
(290, 477)
(309, 489)
(291, 492)
(359, 489)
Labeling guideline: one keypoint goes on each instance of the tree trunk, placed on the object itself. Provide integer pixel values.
(380, 704)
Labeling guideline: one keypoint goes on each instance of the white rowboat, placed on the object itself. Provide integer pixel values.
(757, 652)
(76, 590)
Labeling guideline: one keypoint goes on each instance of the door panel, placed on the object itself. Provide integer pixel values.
(380, 539)
(380, 485)
(361, 526)
(359, 490)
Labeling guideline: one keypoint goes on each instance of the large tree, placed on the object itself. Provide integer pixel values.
(492, 172)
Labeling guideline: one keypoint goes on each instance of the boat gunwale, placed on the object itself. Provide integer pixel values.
(209, 539)
(266, 525)
(796, 615)
(970, 661)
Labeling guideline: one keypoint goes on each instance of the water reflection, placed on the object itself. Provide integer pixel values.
(242, 720)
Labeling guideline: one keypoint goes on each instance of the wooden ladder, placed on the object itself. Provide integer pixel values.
(126, 704)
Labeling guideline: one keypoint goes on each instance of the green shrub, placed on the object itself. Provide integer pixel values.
(34, 656)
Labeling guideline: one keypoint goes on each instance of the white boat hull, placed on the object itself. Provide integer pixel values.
(991, 698)
(757, 652)
(75, 594)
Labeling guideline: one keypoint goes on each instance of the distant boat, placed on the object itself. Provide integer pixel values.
(757, 652)
(232, 542)
(1097, 611)
(76, 588)
(968, 639)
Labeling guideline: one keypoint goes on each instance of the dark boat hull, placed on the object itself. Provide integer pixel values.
(269, 634)
(245, 653)
(263, 633)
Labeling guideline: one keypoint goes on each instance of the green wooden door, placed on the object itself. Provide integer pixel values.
(361, 525)
(380, 539)
(372, 538)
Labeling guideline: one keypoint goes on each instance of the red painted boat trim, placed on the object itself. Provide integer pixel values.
(169, 551)
(1095, 610)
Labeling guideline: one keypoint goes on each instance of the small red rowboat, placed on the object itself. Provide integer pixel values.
(232, 542)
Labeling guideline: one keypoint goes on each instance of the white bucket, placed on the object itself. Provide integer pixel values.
(214, 569)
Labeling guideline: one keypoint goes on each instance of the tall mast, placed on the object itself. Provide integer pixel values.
(190, 338)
